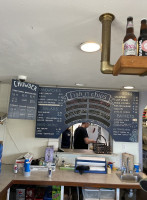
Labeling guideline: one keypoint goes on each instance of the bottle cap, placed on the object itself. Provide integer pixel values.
(129, 18)
(144, 20)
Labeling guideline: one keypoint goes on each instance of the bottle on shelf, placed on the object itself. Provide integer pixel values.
(130, 40)
(142, 40)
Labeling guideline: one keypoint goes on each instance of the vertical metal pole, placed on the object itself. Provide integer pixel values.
(62, 192)
(78, 192)
(8, 194)
(106, 20)
(117, 193)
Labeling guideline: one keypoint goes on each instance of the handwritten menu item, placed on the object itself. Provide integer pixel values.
(23, 100)
(60, 108)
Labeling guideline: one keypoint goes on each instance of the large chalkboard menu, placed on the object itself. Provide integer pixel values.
(59, 108)
(23, 100)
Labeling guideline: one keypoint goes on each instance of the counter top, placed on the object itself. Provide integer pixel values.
(83, 151)
(62, 177)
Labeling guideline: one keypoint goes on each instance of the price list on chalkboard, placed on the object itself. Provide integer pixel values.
(50, 118)
(23, 100)
(125, 116)
(60, 108)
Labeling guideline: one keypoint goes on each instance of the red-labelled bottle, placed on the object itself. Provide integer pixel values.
(130, 40)
(142, 40)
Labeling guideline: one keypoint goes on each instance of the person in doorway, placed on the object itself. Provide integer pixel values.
(81, 139)
(66, 135)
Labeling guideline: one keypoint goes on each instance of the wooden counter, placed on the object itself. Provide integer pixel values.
(84, 152)
(63, 178)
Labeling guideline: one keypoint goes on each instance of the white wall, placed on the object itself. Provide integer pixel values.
(142, 105)
(19, 136)
(120, 147)
(128, 147)
(4, 97)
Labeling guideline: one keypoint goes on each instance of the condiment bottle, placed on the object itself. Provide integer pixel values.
(15, 169)
(130, 40)
(142, 40)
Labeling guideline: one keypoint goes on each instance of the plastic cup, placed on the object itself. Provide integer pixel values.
(136, 167)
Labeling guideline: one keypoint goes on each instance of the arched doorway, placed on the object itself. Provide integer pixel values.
(94, 130)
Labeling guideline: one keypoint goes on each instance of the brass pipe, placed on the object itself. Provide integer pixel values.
(106, 20)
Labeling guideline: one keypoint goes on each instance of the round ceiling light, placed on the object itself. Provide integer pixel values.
(79, 84)
(90, 47)
(128, 87)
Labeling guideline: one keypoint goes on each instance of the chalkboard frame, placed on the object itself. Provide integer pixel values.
(23, 100)
(60, 108)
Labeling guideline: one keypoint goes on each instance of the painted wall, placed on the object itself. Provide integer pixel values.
(18, 136)
(142, 105)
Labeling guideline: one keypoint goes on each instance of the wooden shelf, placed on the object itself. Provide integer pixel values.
(131, 65)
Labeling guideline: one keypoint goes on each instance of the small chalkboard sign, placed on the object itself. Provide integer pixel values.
(23, 100)
(60, 108)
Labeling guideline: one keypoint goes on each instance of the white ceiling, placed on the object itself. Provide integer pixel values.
(41, 39)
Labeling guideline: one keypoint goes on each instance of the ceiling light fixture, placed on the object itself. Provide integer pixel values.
(128, 87)
(79, 84)
(22, 78)
(90, 47)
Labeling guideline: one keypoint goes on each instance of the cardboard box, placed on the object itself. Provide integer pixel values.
(20, 194)
(131, 160)
(48, 193)
(30, 193)
(39, 193)
(56, 192)
(20, 160)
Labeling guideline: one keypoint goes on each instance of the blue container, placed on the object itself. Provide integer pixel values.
(1, 150)
(0, 166)
(27, 169)
(26, 160)
(111, 166)
(136, 167)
